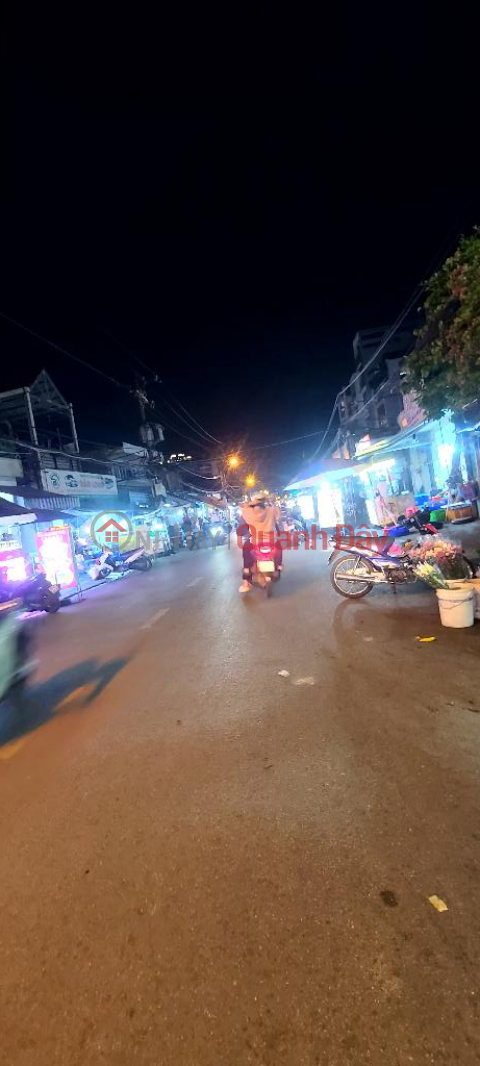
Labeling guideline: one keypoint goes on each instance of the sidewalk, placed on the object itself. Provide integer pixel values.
(86, 583)
(467, 534)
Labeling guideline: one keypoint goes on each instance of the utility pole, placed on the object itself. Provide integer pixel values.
(142, 400)
(144, 429)
(223, 476)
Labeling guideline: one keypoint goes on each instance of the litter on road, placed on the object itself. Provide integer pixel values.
(438, 903)
(284, 673)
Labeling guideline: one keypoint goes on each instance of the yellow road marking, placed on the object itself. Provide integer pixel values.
(9, 750)
(77, 694)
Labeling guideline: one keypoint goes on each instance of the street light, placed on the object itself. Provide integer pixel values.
(250, 480)
(233, 461)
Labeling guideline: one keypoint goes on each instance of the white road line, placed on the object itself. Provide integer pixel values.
(155, 618)
(195, 582)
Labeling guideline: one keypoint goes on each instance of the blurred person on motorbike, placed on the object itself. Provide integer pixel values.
(261, 520)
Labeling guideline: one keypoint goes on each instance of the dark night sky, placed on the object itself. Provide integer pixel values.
(231, 222)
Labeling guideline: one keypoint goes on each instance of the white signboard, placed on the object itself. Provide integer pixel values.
(75, 483)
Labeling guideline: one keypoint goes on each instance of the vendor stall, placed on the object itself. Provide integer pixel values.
(13, 558)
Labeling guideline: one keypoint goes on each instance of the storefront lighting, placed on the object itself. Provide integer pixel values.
(306, 506)
(330, 506)
(445, 455)
(381, 466)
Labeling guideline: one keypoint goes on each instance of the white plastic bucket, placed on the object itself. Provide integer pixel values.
(474, 584)
(456, 607)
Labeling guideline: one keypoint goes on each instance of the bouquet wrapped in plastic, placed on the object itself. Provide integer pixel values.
(432, 575)
(444, 554)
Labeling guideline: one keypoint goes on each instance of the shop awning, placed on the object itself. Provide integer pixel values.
(352, 469)
(330, 469)
(40, 498)
(11, 514)
(403, 439)
(52, 515)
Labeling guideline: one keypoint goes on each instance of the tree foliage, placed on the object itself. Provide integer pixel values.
(444, 368)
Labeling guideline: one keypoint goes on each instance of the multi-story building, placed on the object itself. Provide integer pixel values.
(41, 463)
(373, 401)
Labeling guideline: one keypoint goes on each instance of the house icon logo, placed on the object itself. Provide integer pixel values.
(111, 529)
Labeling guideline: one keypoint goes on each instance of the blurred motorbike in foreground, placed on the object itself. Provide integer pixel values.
(36, 593)
(16, 661)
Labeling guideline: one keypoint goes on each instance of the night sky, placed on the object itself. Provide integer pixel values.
(229, 221)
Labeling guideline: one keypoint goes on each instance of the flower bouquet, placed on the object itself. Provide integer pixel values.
(446, 556)
(432, 575)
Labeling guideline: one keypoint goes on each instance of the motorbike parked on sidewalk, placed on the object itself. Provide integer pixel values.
(109, 562)
(16, 661)
(356, 570)
(37, 593)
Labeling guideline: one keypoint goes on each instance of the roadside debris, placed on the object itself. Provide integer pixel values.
(389, 898)
(304, 681)
(284, 673)
(425, 640)
(438, 903)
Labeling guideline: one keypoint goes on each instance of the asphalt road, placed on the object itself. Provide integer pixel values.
(204, 863)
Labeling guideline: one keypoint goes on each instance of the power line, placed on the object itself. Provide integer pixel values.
(205, 431)
(181, 434)
(202, 436)
(415, 296)
(156, 380)
(124, 461)
(388, 335)
(290, 440)
(64, 351)
(205, 477)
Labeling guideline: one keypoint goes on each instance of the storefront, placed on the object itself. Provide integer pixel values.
(369, 492)
(31, 543)
(319, 494)
(14, 559)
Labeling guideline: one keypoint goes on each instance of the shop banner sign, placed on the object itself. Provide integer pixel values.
(57, 557)
(13, 565)
(76, 483)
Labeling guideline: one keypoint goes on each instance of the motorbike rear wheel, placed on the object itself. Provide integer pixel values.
(352, 590)
(140, 564)
(52, 606)
(470, 567)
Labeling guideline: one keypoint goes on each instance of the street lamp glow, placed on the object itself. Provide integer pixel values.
(250, 480)
(233, 460)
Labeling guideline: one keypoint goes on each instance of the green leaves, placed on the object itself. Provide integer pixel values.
(444, 368)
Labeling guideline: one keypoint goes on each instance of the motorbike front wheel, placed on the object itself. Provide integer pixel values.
(345, 575)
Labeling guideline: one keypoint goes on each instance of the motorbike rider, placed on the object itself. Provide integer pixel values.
(261, 520)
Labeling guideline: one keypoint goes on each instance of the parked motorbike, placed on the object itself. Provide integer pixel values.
(265, 570)
(16, 662)
(36, 593)
(113, 562)
(355, 571)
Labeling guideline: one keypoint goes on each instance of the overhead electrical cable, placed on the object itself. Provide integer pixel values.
(64, 351)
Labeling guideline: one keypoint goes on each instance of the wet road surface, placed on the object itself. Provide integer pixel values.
(203, 862)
